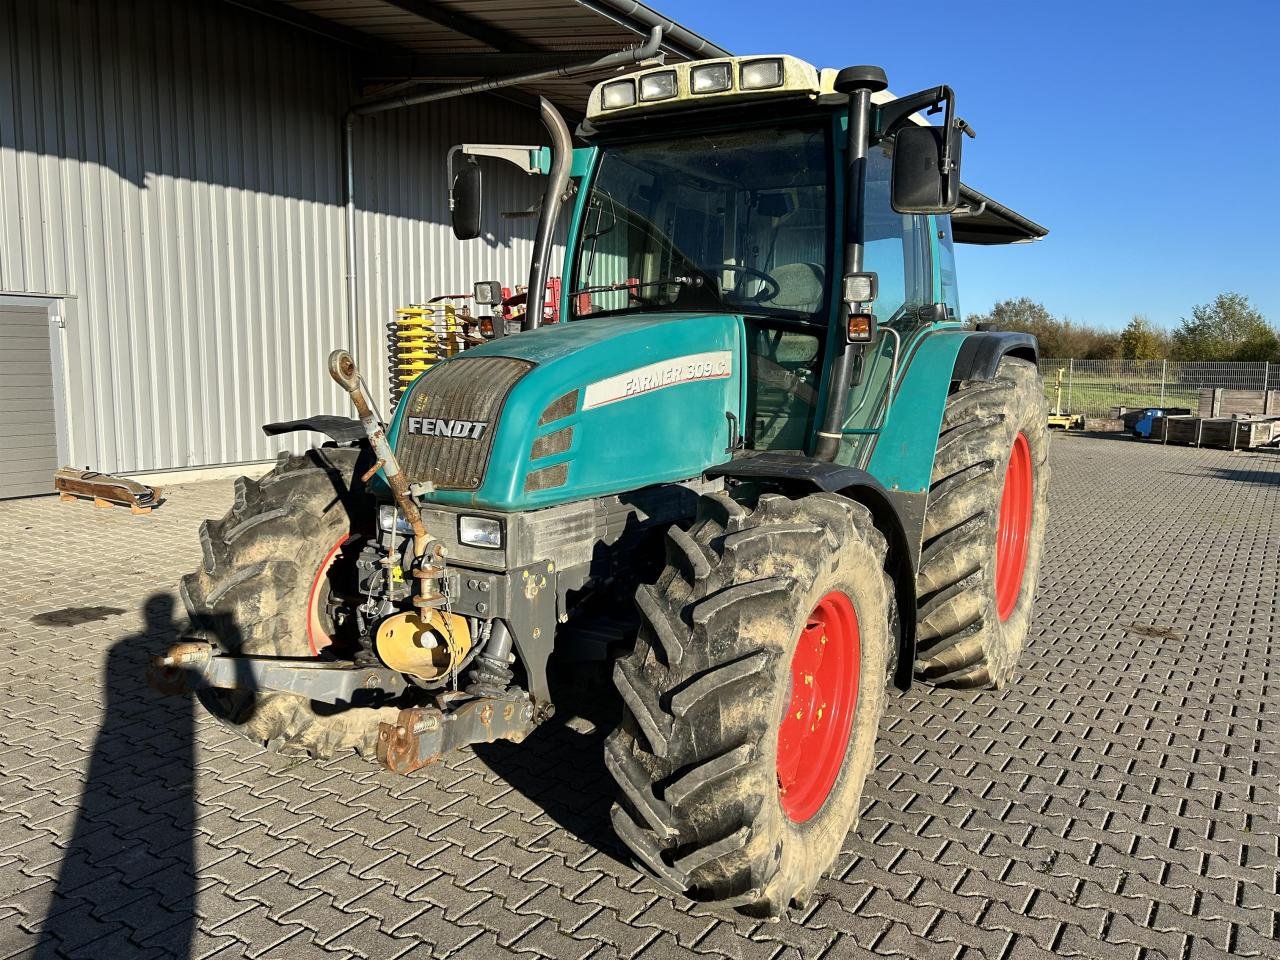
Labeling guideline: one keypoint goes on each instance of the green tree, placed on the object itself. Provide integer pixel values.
(1058, 337)
(1022, 313)
(1230, 328)
(1140, 340)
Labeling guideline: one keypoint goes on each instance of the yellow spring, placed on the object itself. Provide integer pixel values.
(420, 336)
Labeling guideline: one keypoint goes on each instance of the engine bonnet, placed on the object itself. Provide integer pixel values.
(575, 410)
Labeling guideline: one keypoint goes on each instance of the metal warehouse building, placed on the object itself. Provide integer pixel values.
(173, 227)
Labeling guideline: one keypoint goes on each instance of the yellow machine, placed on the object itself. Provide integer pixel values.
(422, 335)
(1059, 420)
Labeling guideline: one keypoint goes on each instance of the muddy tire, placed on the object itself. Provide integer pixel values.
(267, 570)
(724, 794)
(984, 530)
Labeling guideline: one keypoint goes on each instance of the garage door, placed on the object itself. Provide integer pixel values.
(28, 432)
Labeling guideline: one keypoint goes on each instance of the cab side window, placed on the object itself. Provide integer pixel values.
(945, 264)
(896, 247)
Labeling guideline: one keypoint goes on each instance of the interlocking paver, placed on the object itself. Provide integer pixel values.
(1119, 800)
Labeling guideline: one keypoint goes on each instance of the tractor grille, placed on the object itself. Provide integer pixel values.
(444, 400)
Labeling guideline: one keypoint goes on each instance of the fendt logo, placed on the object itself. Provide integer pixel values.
(463, 429)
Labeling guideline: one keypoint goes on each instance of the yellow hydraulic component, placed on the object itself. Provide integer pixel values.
(428, 649)
(421, 335)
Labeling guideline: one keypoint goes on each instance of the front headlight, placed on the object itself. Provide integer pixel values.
(480, 532)
(389, 517)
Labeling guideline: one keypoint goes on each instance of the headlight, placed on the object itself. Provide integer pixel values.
(658, 86)
(620, 94)
(712, 78)
(480, 532)
(761, 74)
(389, 516)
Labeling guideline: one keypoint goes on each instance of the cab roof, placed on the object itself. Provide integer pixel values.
(981, 219)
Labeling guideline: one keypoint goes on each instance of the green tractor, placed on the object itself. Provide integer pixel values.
(760, 469)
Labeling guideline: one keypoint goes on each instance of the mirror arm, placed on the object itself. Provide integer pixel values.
(518, 155)
(895, 113)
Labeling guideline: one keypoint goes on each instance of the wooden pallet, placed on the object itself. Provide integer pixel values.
(104, 490)
(1216, 402)
(1235, 433)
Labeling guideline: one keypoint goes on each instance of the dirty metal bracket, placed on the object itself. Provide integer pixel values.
(422, 735)
(194, 666)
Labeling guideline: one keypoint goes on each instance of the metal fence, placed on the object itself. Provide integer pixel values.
(1098, 388)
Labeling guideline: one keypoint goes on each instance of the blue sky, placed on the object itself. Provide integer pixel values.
(1145, 135)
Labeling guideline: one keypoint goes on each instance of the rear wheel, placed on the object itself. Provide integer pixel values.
(984, 530)
(274, 572)
(751, 700)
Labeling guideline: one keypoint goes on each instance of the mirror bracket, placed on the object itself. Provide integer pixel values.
(523, 157)
(968, 210)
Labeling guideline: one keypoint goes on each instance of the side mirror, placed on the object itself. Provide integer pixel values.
(465, 201)
(921, 184)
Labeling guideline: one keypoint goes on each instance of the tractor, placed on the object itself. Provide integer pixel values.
(760, 474)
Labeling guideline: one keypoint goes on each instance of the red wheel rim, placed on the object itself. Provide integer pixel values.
(317, 638)
(1013, 531)
(813, 738)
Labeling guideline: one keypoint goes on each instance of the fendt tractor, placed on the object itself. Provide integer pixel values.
(760, 468)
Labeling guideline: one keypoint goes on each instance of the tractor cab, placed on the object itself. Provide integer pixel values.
(729, 187)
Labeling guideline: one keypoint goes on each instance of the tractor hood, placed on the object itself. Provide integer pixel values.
(575, 410)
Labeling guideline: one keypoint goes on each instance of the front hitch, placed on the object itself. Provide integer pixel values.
(422, 735)
(195, 665)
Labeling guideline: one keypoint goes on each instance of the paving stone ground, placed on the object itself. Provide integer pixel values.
(1121, 800)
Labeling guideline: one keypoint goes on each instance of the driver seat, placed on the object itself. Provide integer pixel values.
(801, 286)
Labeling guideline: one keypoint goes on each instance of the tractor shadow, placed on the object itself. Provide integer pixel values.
(127, 875)
(1257, 476)
(560, 766)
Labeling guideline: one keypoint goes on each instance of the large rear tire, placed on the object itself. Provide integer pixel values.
(751, 700)
(269, 569)
(984, 530)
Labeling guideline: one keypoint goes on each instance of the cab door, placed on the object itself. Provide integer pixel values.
(898, 248)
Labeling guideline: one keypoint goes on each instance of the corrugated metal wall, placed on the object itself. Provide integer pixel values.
(174, 170)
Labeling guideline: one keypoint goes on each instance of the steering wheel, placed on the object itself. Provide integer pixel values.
(770, 289)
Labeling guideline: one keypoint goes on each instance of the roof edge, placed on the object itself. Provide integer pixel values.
(640, 18)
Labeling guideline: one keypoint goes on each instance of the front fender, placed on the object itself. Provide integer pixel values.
(797, 475)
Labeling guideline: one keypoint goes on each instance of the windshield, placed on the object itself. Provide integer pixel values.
(735, 220)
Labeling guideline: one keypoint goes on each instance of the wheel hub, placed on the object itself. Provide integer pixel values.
(1013, 530)
(813, 737)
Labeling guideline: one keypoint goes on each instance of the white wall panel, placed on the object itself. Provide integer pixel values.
(176, 169)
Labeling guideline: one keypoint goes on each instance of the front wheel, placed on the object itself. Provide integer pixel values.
(276, 569)
(752, 698)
